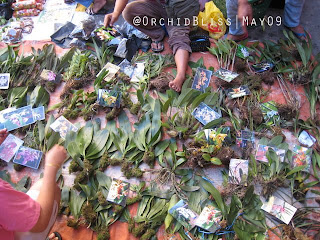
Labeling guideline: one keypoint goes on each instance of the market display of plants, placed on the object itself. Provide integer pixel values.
(170, 142)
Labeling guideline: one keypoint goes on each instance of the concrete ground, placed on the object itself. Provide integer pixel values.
(309, 20)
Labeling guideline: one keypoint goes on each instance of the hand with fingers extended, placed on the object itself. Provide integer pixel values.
(110, 19)
(3, 135)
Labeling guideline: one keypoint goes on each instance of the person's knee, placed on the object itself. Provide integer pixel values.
(179, 39)
(232, 6)
(129, 12)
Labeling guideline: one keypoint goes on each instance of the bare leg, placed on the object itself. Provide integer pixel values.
(238, 37)
(297, 29)
(98, 4)
(181, 57)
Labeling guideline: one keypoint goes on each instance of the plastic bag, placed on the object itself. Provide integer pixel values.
(212, 20)
(24, 5)
(75, 42)
(122, 48)
(85, 29)
(12, 35)
(26, 12)
(6, 10)
(128, 31)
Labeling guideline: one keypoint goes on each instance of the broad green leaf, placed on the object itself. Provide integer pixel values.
(184, 97)
(189, 188)
(39, 97)
(214, 123)
(103, 179)
(182, 171)
(87, 190)
(5, 176)
(235, 206)
(166, 105)
(302, 53)
(98, 143)
(317, 156)
(141, 130)
(84, 138)
(161, 147)
(263, 141)
(215, 194)
(96, 125)
(53, 140)
(276, 141)
(156, 208)
(296, 169)
(124, 123)
(73, 150)
(173, 201)
(316, 72)
(199, 99)
(314, 166)
(47, 128)
(24, 184)
(65, 195)
(206, 157)
(242, 235)
(180, 161)
(156, 118)
(311, 184)
(180, 154)
(70, 137)
(76, 202)
(248, 196)
(111, 126)
(41, 131)
(98, 155)
(16, 96)
(182, 129)
(140, 96)
(215, 161)
(145, 202)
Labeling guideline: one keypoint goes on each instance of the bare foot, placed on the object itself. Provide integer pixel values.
(97, 5)
(297, 29)
(237, 38)
(299, 32)
(176, 84)
(52, 236)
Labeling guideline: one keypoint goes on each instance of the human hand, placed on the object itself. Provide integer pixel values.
(56, 156)
(3, 135)
(244, 11)
(110, 19)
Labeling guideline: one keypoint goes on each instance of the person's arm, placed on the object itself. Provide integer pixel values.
(111, 18)
(244, 10)
(54, 159)
(3, 135)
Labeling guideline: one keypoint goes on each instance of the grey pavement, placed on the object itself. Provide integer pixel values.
(310, 20)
